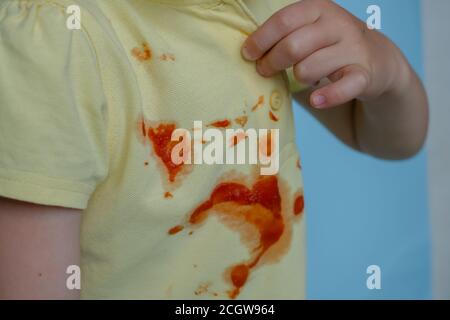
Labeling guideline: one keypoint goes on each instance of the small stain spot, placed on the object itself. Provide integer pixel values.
(168, 195)
(142, 54)
(299, 205)
(167, 57)
(239, 276)
(175, 230)
(259, 103)
(273, 117)
(242, 120)
(202, 289)
(144, 129)
(39, 274)
(146, 163)
(220, 124)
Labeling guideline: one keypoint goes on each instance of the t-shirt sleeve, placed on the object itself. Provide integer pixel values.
(53, 114)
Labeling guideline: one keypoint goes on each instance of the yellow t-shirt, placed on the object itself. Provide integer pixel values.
(84, 120)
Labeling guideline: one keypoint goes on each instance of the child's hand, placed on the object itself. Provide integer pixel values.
(322, 40)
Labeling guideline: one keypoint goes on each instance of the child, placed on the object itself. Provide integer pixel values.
(87, 116)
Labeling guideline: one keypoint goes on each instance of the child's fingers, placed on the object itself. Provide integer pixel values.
(353, 82)
(322, 63)
(279, 26)
(295, 47)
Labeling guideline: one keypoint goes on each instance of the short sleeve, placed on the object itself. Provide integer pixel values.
(53, 114)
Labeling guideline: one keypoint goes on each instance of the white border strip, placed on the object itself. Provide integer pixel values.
(436, 29)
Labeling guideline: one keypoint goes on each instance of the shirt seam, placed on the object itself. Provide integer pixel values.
(57, 180)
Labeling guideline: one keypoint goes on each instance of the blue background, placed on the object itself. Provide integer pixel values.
(363, 211)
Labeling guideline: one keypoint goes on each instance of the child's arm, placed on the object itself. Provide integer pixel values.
(37, 244)
(381, 104)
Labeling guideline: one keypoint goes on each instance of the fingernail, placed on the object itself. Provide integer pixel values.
(260, 69)
(319, 100)
(246, 53)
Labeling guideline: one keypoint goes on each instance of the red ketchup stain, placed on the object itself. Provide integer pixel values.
(142, 54)
(163, 145)
(258, 207)
(220, 124)
(175, 230)
(159, 137)
(273, 117)
(299, 205)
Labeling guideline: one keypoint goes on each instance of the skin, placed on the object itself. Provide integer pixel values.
(37, 244)
(368, 96)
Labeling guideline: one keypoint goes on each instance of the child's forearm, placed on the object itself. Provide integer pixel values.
(394, 126)
(37, 245)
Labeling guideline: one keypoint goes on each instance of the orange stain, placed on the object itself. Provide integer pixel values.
(143, 128)
(242, 120)
(168, 195)
(158, 136)
(220, 124)
(258, 207)
(239, 276)
(299, 205)
(265, 144)
(142, 54)
(175, 230)
(259, 103)
(236, 139)
(163, 145)
(273, 117)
